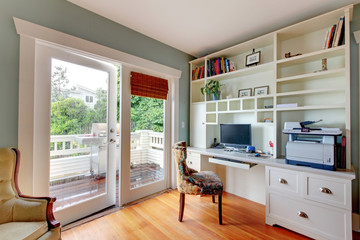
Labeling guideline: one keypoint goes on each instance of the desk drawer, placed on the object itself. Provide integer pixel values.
(193, 160)
(283, 180)
(333, 191)
(330, 222)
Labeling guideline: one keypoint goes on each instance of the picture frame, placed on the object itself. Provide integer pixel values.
(264, 90)
(253, 58)
(244, 92)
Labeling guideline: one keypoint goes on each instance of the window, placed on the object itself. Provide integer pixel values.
(89, 99)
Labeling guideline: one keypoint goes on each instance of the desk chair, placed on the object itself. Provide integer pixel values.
(190, 181)
(21, 216)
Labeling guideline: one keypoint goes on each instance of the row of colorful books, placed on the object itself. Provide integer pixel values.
(198, 73)
(335, 35)
(214, 67)
(219, 66)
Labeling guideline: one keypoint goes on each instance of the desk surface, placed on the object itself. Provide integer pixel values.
(268, 161)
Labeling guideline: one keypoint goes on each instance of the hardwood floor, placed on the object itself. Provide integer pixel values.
(156, 218)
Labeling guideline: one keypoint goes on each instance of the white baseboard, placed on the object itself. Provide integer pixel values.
(356, 222)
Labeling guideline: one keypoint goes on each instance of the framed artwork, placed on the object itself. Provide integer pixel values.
(253, 58)
(264, 90)
(244, 92)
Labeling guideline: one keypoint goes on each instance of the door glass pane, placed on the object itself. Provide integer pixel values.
(78, 143)
(147, 141)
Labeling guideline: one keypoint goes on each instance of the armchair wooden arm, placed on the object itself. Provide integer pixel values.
(52, 222)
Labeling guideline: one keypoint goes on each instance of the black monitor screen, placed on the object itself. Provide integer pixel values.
(235, 135)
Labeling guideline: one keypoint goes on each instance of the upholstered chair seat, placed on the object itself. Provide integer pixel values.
(21, 216)
(190, 181)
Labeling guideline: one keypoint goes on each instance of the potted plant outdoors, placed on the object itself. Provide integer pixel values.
(212, 89)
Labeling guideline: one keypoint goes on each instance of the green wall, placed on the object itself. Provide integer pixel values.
(71, 19)
(355, 26)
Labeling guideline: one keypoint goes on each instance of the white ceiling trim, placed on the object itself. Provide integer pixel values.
(36, 31)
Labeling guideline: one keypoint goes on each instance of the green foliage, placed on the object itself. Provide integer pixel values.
(59, 83)
(70, 116)
(147, 114)
(212, 87)
(100, 107)
(73, 116)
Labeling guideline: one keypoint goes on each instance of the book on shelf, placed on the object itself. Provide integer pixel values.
(287, 105)
(198, 73)
(331, 36)
(335, 35)
(219, 65)
(340, 32)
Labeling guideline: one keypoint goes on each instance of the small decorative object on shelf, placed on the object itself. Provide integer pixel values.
(288, 55)
(269, 106)
(324, 64)
(212, 89)
(253, 58)
(261, 90)
(268, 120)
(271, 144)
(244, 92)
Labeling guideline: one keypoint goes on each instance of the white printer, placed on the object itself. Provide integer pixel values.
(313, 147)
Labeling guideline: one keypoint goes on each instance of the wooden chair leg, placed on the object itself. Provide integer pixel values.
(213, 198)
(220, 208)
(182, 205)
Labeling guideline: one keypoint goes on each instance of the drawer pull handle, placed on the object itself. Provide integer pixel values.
(302, 214)
(283, 181)
(325, 190)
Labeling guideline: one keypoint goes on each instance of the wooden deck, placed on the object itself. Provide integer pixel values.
(156, 219)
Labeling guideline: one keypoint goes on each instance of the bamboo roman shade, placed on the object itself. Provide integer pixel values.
(148, 86)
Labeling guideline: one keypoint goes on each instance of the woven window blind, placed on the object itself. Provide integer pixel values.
(148, 86)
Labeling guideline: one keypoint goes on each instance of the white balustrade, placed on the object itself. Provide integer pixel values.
(71, 158)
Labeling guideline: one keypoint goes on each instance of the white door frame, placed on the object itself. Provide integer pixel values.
(29, 34)
(356, 223)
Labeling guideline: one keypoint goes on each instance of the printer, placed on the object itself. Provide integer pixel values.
(313, 147)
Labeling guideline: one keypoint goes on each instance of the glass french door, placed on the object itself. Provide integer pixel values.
(82, 146)
(146, 155)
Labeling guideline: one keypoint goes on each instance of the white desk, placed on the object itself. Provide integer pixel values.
(267, 161)
(311, 201)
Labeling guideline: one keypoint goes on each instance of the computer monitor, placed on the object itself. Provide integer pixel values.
(235, 135)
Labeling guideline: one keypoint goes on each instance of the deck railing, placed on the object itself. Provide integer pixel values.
(71, 157)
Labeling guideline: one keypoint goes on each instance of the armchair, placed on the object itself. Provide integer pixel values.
(21, 216)
(190, 181)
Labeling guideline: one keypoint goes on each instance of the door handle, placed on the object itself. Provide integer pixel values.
(112, 141)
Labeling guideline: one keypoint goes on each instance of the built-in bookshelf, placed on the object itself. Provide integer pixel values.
(307, 79)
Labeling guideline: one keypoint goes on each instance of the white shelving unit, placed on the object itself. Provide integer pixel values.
(318, 94)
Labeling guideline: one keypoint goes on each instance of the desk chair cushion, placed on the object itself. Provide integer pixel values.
(208, 181)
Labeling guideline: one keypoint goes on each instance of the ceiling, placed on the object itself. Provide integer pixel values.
(200, 27)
